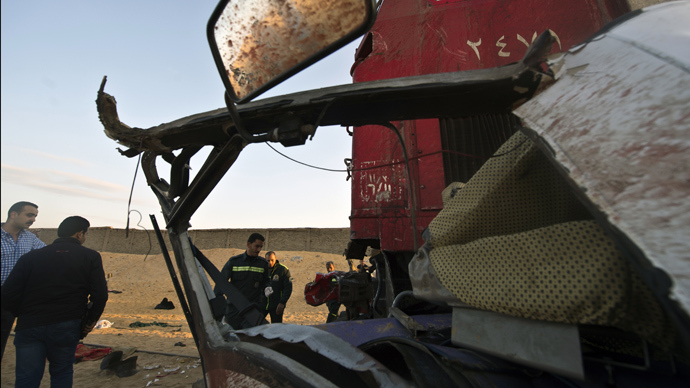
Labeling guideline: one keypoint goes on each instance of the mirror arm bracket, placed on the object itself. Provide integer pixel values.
(239, 124)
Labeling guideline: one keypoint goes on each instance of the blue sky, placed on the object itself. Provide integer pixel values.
(159, 68)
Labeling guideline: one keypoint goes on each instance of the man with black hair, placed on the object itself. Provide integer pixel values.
(16, 241)
(48, 290)
(249, 274)
(282, 288)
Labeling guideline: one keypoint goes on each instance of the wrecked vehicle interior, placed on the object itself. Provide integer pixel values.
(559, 260)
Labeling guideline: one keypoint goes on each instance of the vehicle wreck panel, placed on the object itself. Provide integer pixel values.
(618, 120)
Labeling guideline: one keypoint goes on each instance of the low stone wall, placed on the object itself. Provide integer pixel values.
(137, 241)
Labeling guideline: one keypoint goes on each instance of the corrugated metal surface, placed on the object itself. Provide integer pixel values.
(468, 142)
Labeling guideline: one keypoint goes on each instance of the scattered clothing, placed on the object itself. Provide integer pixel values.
(122, 367)
(142, 324)
(165, 304)
(127, 351)
(111, 359)
(86, 353)
(103, 324)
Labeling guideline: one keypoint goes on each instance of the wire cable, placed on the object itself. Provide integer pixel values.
(304, 164)
(131, 190)
(395, 163)
(145, 230)
(129, 203)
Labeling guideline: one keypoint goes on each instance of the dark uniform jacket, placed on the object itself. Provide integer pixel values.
(334, 304)
(248, 274)
(54, 284)
(281, 284)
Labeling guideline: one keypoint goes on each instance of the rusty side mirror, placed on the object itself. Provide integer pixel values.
(257, 44)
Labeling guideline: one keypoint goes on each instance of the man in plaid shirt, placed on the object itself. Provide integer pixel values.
(16, 241)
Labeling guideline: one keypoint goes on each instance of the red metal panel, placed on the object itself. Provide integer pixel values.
(379, 174)
(431, 180)
(413, 37)
(380, 179)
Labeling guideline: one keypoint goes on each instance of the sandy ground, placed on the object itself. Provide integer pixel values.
(143, 282)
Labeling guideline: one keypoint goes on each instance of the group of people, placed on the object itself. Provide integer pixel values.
(56, 292)
(266, 283)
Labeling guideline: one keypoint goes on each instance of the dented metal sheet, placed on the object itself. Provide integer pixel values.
(618, 122)
(370, 330)
(330, 346)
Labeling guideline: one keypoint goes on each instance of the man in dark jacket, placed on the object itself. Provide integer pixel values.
(333, 305)
(48, 290)
(249, 274)
(282, 288)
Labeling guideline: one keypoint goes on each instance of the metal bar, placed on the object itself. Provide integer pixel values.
(407, 321)
(176, 282)
(205, 181)
(429, 96)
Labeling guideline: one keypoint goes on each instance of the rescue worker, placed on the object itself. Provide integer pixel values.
(282, 288)
(333, 305)
(249, 274)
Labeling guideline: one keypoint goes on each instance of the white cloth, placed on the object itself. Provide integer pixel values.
(103, 324)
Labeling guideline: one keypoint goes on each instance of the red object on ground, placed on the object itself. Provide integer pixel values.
(85, 353)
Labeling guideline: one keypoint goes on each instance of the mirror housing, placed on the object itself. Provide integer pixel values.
(257, 44)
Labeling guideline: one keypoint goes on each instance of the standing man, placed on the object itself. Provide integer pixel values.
(249, 274)
(333, 305)
(282, 288)
(48, 291)
(16, 241)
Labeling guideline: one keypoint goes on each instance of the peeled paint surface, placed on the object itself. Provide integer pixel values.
(258, 43)
(618, 121)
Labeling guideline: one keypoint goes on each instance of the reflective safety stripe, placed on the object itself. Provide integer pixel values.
(248, 269)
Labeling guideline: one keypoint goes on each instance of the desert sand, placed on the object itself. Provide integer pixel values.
(138, 283)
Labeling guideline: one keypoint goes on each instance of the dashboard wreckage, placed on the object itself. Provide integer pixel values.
(527, 217)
